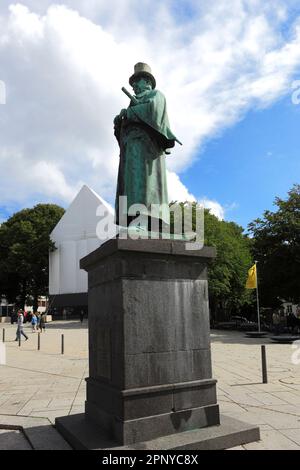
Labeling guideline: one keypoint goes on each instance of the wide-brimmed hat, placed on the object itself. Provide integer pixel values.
(141, 69)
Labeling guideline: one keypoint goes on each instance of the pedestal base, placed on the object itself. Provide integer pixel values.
(150, 372)
(146, 413)
(84, 435)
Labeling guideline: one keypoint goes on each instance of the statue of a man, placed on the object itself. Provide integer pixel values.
(144, 136)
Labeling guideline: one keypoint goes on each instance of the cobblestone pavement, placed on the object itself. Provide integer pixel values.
(274, 406)
(48, 384)
(45, 383)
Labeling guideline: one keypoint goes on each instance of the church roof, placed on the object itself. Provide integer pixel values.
(80, 219)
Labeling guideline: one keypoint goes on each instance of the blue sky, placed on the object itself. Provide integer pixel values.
(245, 167)
(226, 69)
(250, 163)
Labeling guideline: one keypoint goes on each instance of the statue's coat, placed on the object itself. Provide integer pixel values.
(143, 138)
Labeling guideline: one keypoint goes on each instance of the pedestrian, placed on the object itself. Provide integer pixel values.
(20, 330)
(43, 322)
(34, 322)
(81, 315)
(276, 322)
(12, 316)
(29, 317)
(38, 320)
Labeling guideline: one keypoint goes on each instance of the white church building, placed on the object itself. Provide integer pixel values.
(75, 237)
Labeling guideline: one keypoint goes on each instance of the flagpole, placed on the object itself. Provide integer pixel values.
(257, 298)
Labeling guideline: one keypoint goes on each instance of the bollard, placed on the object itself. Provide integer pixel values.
(3, 335)
(62, 344)
(39, 341)
(19, 338)
(264, 364)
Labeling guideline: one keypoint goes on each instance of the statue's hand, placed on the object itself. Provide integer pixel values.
(123, 114)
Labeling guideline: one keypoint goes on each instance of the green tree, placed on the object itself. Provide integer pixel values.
(24, 253)
(277, 248)
(228, 272)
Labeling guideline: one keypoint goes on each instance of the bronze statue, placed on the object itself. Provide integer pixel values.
(144, 137)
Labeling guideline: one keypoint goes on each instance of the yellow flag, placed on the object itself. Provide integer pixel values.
(251, 281)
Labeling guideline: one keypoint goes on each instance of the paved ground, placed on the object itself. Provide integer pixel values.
(275, 406)
(46, 384)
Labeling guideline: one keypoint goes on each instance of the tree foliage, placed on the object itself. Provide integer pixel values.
(228, 272)
(24, 252)
(276, 246)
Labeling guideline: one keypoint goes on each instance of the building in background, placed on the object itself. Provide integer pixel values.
(43, 304)
(5, 308)
(289, 307)
(75, 237)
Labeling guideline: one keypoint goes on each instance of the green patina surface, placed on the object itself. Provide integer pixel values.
(144, 135)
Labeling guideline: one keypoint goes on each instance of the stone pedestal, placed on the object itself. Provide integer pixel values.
(149, 349)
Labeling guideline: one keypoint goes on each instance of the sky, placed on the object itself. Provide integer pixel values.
(227, 69)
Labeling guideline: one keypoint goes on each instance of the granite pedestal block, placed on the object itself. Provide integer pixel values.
(149, 347)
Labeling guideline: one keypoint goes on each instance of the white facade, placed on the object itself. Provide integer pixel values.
(4, 307)
(291, 308)
(75, 237)
(42, 305)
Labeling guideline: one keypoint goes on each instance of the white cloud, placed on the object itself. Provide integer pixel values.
(63, 66)
(177, 190)
(215, 207)
(42, 179)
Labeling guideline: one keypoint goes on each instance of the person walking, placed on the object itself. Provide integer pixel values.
(38, 320)
(81, 316)
(43, 322)
(20, 330)
(34, 322)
